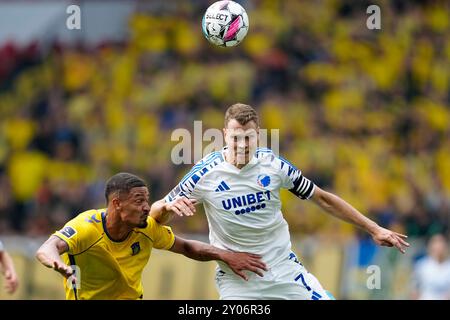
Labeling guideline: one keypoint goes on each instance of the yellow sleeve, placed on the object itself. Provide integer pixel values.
(163, 237)
(78, 234)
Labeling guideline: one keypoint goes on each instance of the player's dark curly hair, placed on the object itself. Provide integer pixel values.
(122, 183)
(242, 113)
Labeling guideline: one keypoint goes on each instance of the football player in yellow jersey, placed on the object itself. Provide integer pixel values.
(105, 251)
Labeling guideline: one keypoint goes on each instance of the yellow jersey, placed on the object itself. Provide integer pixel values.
(107, 269)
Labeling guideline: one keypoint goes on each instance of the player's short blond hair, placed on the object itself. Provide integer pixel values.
(242, 113)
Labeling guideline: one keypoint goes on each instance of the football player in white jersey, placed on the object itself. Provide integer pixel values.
(239, 188)
(431, 277)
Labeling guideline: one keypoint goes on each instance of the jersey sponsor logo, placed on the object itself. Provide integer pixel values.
(135, 248)
(247, 203)
(263, 180)
(68, 231)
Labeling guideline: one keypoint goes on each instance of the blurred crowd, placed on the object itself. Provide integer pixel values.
(363, 113)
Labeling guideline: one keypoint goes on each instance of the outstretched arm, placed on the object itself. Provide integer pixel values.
(344, 211)
(49, 255)
(163, 211)
(9, 272)
(237, 261)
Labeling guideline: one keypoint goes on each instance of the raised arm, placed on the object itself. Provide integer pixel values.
(237, 261)
(49, 254)
(344, 211)
(163, 211)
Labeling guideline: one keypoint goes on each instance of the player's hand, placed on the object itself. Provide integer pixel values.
(11, 282)
(64, 269)
(388, 238)
(240, 261)
(182, 206)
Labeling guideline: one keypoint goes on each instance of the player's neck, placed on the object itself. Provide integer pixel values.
(116, 229)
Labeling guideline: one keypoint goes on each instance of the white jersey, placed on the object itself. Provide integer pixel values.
(243, 206)
(432, 279)
(1, 247)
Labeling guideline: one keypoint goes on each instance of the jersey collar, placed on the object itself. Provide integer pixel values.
(106, 229)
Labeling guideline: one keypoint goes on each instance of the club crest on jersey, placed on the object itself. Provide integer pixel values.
(135, 248)
(263, 180)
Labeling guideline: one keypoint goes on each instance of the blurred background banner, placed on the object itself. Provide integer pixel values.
(363, 113)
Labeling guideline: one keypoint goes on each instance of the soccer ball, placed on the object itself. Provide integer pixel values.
(225, 23)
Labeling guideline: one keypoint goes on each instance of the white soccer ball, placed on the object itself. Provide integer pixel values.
(225, 23)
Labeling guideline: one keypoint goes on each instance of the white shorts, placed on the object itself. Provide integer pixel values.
(288, 280)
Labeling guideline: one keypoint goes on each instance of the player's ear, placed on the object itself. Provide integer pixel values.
(116, 203)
